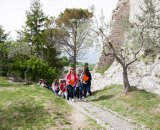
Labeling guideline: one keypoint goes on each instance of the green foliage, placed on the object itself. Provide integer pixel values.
(38, 69)
(3, 52)
(75, 34)
(103, 69)
(18, 65)
(34, 52)
(50, 55)
(91, 66)
(140, 106)
(148, 57)
(19, 47)
(79, 15)
(34, 26)
(34, 67)
(64, 61)
(71, 65)
(147, 31)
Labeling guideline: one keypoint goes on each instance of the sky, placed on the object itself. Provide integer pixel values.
(12, 13)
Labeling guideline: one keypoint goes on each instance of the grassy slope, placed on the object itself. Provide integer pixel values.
(31, 107)
(139, 105)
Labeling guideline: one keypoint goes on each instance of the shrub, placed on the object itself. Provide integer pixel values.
(38, 69)
(35, 69)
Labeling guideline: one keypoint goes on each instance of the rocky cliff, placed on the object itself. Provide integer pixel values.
(141, 75)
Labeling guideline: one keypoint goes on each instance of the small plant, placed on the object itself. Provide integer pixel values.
(103, 69)
(148, 57)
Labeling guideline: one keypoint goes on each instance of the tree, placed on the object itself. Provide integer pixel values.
(140, 36)
(50, 51)
(3, 51)
(73, 27)
(150, 21)
(34, 26)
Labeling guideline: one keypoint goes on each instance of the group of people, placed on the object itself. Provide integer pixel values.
(75, 85)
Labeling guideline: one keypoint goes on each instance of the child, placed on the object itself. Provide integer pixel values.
(63, 89)
(78, 86)
(55, 86)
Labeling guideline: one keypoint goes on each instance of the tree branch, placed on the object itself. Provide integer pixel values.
(135, 55)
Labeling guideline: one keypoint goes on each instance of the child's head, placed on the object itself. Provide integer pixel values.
(64, 82)
(61, 81)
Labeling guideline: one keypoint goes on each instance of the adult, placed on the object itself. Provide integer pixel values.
(88, 82)
(71, 80)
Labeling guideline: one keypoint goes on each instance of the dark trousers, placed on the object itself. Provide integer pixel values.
(84, 89)
(89, 89)
(81, 91)
(77, 93)
(70, 92)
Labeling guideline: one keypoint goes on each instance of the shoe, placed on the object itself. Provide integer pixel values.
(73, 100)
(79, 99)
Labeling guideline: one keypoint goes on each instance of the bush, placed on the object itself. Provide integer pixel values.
(18, 65)
(34, 68)
(38, 69)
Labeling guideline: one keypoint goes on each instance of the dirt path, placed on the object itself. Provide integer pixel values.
(83, 121)
(78, 120)
(106, 119)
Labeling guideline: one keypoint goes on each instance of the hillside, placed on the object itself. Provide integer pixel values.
(33, 107)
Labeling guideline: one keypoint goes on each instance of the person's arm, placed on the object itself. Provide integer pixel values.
(67, 79)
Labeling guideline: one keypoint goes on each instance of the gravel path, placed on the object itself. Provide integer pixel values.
(104, 118)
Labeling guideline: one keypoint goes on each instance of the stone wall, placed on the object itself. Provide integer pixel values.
(116, 33)
(140, 75)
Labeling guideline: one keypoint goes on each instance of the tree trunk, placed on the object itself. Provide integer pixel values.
(74, 59)
(125, 80)
(75, 49)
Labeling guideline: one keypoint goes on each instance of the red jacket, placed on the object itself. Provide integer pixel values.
(68, 78)
(62, 88)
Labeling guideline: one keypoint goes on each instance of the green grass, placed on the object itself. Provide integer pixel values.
(93, 125)
(103, 69)
(31, 107)
(5, 83)
(138, 105)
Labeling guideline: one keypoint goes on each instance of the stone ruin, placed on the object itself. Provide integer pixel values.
(140, 75)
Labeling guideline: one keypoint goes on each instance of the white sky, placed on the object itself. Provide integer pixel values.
(12, 12)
